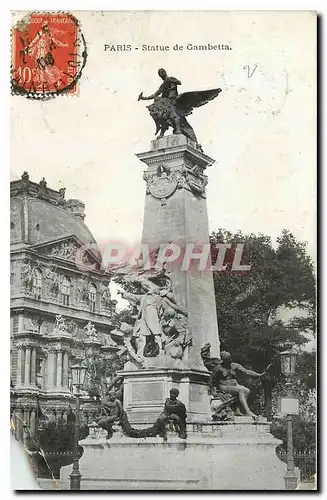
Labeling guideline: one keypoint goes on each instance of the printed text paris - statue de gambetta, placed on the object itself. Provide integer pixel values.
(127, 47)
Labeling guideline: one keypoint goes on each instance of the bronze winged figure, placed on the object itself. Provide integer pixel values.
(170, 109)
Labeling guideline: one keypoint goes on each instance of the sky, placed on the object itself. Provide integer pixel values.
(261, 130)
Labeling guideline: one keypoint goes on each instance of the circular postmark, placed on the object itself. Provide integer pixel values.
(48, 55)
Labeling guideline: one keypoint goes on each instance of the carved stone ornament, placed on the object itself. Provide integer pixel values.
(192, 179)
(90, 333)
(31, 324)
(14, 215)
(83, 288)
(43, 190)
(60, 325)
(108, 341)
(66, 250)
(161, 184)
(52, 280)
(105, 296)
(72, 328)
(26, 274)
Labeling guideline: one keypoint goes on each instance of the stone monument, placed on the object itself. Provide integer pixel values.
(171, 342)
(176, 211)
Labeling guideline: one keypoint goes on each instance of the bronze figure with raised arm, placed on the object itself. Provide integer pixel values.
(223, 378)
(223, 382)
(153, 305)
(170, 109)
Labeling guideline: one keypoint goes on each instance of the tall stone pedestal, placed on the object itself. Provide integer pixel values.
(228, 456)
(176, 211)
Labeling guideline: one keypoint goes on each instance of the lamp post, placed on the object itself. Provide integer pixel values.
(289, 405)
(78, 377)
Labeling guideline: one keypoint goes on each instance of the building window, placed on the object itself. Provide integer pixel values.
(92, 297)
(65, 291)
(37, 284)
(15, 324)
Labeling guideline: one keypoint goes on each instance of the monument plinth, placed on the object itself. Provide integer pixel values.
(236, 455)
(145, 391)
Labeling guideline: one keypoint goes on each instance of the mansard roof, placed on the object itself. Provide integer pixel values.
(40, 214)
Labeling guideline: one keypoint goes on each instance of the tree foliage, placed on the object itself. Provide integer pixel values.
(100, 369)
(59, 436)
(248, 303)
(304, 433)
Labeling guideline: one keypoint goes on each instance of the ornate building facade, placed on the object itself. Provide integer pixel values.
(60, 300)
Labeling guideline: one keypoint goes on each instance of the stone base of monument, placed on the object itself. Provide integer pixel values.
(236, 455)
(145, 390)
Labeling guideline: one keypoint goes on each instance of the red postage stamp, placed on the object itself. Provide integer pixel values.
(48, 55)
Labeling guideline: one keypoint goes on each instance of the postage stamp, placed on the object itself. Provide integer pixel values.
(48, 55)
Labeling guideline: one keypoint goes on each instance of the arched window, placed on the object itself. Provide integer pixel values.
(92, 297)
(37, 284)
(65, 291)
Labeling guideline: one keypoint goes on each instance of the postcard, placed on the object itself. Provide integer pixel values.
(163, 250)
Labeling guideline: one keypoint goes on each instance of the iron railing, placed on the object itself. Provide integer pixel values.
(304, 460)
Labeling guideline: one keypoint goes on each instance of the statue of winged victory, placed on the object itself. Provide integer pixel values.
(170, 109)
